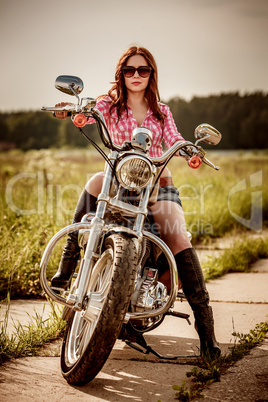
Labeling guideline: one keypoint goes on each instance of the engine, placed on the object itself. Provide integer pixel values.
(149, 293)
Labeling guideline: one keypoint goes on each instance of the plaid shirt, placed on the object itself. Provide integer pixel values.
(122, 130)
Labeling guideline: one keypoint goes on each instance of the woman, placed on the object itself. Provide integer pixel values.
(133, 101)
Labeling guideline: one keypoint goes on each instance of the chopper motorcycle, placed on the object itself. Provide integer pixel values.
(116, 291)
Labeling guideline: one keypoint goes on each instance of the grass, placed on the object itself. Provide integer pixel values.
(237, 258)
(211, 201)
(211, 370)
(27, 340)
(38, 194)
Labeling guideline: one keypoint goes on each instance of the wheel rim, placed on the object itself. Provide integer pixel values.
(84, 322)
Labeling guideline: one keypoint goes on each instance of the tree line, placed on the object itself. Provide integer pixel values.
(242, 120)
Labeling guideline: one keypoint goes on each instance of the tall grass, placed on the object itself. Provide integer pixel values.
(210, 208)
(237, 258)
(39, 191)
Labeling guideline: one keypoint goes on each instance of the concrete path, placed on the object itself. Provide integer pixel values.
(246, 381)
(239, 301)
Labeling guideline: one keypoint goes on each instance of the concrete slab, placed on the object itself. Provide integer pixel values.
(246, 381)
(22, 312)
(240, 287)
(260, 266)
(39, 379)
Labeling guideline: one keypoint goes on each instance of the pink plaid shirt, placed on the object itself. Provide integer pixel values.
(122, 130)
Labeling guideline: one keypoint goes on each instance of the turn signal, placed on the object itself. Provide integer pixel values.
(80, 120)
(195, 162)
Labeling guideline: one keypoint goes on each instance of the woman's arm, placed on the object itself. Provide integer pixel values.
(170, 132)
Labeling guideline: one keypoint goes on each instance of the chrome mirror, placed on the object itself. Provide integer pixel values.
(208, 134)
(69, 84)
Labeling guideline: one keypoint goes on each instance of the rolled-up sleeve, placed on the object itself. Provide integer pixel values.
(103, 105)
(170, 132)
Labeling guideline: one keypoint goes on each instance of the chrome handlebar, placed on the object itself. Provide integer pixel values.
(88, 109)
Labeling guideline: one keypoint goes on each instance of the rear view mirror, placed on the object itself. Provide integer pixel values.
(69, 84)
(207, 134)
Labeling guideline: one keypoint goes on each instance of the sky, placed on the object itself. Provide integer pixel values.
(201, 47)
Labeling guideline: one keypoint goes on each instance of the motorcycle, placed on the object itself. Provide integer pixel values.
(116, 291)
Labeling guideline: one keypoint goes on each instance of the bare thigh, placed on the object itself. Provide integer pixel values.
(170, 221)
(94, 184)
(168, 216)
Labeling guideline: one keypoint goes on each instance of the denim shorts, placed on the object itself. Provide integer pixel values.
(169, 193)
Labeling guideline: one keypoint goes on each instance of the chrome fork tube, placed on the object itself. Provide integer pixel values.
(97, 225)
(138, 226)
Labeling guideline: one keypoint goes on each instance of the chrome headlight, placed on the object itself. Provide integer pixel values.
(134, 172)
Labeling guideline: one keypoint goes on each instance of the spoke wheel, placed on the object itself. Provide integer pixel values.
(90, 334)
(82, 329)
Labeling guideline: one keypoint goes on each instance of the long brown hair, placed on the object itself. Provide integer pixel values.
(118, 92)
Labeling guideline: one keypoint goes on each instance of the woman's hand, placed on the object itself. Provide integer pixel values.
(61, 114)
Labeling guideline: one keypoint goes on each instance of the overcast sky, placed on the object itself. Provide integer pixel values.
(200, 46)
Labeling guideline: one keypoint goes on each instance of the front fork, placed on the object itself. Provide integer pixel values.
(76, 300)
(91, 255)
(97, 226)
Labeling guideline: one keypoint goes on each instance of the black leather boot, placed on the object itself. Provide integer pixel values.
(195, 290)
(71, 251)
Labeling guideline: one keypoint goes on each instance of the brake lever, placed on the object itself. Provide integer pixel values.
(210, 164)
(188, 153)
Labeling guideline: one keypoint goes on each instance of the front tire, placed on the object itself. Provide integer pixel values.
(87, 343)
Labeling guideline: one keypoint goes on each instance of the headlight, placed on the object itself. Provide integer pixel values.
(134, 172)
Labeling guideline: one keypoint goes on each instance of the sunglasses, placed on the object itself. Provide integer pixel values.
(143, 71)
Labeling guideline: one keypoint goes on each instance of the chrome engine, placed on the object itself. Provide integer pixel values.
(149, 294)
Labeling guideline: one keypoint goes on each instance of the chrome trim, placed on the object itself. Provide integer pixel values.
(72, 302)
(128, 159)
(69, 84)
(142, 139)
(45, 258)
(142, 129)
(173, 278)
(175, 147)
(207, 134)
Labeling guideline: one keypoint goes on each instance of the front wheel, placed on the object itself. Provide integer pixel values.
(87, 343)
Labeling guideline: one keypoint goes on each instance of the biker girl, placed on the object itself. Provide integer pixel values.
(134, 101)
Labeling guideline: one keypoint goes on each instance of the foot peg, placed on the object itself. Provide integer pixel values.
(179, 315)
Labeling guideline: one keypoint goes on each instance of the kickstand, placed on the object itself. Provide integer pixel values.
(133, 338)
(147, 349)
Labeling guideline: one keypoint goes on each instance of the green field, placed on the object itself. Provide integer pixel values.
(39, 191)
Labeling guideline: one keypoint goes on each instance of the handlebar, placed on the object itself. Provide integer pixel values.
(89, 111)
(66, 108)
(179, 145)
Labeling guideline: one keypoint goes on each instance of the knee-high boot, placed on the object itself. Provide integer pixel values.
(194, 288)
(71, 251)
